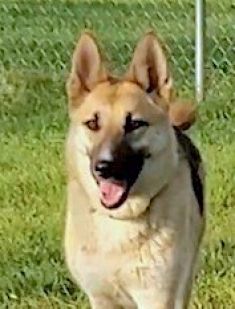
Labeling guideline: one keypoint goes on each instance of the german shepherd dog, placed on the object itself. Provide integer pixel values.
(135, 214)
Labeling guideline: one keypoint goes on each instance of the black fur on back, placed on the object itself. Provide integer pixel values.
(194, 159)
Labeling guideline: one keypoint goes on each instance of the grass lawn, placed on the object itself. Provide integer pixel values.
(36, 40)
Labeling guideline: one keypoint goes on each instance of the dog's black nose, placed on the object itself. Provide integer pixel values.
(103, 168)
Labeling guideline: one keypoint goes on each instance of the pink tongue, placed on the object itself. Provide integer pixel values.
(110, 192)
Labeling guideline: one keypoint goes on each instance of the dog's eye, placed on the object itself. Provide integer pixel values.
(134, 124)
(93, 124)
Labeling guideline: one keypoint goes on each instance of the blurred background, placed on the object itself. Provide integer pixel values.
(36, 42)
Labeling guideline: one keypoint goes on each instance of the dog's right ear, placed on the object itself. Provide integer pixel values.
(87, 69)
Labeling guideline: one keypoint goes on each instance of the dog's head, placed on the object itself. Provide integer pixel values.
(121, 138)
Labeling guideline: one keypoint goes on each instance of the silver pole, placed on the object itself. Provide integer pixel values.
(199, 49)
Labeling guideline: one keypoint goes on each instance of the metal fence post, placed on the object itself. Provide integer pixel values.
(199, 49)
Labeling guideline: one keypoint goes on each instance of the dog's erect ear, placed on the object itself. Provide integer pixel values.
(87, 67)
(149, 68)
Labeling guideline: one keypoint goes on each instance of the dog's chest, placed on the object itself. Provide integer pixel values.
(125, 256)
(116, 244)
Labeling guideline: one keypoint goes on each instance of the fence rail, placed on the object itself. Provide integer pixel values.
(38, 36)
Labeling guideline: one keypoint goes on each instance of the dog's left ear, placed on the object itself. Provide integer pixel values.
(149, 68)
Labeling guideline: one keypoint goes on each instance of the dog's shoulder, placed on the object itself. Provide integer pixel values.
(193, 157)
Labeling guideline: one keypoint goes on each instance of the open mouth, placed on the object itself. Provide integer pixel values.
(113, 193)
(116, 177)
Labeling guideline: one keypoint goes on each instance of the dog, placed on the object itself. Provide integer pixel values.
(135, 208)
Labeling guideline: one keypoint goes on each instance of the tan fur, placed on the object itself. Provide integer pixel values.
(142, 254)
(182, 114)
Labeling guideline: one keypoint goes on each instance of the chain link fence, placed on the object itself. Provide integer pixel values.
(39, 36)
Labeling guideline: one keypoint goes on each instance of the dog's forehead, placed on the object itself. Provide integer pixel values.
(118, 99)
(120, 95)
(114, 93)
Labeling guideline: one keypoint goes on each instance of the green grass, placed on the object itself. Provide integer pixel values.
(36, 40)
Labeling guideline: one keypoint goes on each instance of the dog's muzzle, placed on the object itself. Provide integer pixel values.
(116, 176)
